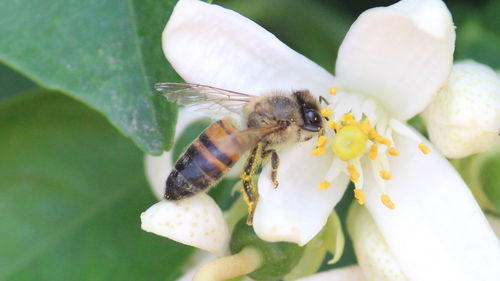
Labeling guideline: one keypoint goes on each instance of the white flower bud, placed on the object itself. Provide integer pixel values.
(196, 221)
(464, 117)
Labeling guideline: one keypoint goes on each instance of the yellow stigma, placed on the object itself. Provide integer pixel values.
(318, 151)
(333, 125)
(321, 141)
(349, 142)
(386, 200)
(392, 151)
(424, 148)
(360, 195)
(354, 175)
(373, 152)
(333, 91)
(386, 175)
(324, 185)
(326, 112)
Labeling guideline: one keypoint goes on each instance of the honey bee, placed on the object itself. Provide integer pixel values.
(271, 121)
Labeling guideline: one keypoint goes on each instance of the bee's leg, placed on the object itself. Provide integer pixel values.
(275, 162)
(250, 192)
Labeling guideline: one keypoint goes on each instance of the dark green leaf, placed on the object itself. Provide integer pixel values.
(13, 83)
(104, 53)
(71, 192)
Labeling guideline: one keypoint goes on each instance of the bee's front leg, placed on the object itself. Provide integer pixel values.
(275, 162)
(250, 192)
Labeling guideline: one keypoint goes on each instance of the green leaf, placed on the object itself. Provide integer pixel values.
(71, 192)
(13, 83)
(106, 54)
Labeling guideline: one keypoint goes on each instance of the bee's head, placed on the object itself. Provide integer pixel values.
(309, 107)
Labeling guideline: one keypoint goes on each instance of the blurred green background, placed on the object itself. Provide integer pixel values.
(77, 111)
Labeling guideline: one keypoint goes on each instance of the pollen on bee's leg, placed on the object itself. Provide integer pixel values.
(393, 151)
(318, 150)
(360, 196)
(322, 140)
(353, 173)
(326, 112)
(424, 148)
(386, 200)
(324, 185)
(333, 91)
(386, 175)
(373, 152)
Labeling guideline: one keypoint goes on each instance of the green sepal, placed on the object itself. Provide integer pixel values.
(278, 258)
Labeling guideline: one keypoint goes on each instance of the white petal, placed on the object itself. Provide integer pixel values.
(348, 273)
(400, 55)
(210, 45)
(464, 117)
(196, 221)
(297, 210)
(158, 167)
(437, 231)
(372, 252)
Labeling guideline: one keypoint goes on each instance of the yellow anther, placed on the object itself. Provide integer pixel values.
(386, 175)
(324, 185)
(386, 200)
(318, 151)
(333, 91)
(349, 142)
(321, 142)
(245, 178)
(393, 151)
(332, 124)
(424, 148)
(347, 117)
(360, 195)
(372, 133)
(326, 112)
(365, 126)
(382, 140)
(354, 175)
(373, 152)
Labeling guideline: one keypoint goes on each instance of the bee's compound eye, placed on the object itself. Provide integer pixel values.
(311, 117)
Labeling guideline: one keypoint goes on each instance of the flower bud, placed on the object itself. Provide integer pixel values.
(279, 258)
(464, 117)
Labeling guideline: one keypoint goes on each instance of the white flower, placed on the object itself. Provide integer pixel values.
(391, 63)
(464, 117)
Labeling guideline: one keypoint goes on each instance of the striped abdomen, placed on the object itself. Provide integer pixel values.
(203, 163)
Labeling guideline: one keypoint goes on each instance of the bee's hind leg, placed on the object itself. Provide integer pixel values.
(275, 162)
(250, 192)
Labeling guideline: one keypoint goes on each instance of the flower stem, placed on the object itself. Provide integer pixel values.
(244, 262)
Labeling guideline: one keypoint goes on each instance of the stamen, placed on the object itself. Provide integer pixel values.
(373, 152)
(348, 119)
(326, 112)
(424, 148)
(318, 150)
(382, 140)
(322, 140)
(353, 173)
(365, 126)
(333, 91)
(360, 195)
(324, 185)
(386, 200)
(393, 151)
(386, 175)
(332, 124)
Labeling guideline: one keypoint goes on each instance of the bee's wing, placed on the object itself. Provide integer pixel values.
(246, 139)
(206, 100)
